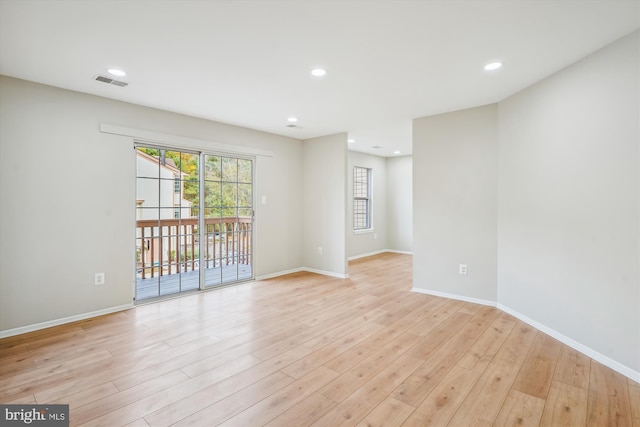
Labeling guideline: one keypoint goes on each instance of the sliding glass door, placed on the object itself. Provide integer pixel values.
(194, 221)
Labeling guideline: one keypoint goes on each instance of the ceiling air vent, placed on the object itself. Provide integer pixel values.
(293, 126)
(109, 80)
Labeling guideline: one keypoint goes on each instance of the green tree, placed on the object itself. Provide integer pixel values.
(228, 182)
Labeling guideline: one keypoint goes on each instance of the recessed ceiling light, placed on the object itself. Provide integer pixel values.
(116, 72)
(292, 119)
(493, 66)
(351, 140)
(318, 72)
(396, 152)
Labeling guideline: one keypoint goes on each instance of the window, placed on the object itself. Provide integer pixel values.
(361, 198)
(176, 184)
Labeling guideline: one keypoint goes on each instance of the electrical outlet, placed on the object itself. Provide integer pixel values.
(462, 269)
(320, 250)
(99, 279)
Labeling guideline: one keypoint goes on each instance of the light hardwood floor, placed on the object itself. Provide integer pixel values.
(305, 349)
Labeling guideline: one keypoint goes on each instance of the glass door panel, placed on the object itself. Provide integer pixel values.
(229, 219)
(167, 234)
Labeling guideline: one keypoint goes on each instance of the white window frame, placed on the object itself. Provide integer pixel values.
(358, 172)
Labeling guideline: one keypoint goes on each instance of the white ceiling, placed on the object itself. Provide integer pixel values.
(247, 62)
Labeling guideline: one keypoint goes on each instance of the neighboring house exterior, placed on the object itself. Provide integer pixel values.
(163, 190)
(159, 191)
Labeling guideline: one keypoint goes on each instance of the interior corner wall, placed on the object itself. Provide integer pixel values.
(324, 212)
(455, 203)
(400, 204)
(375, 240)
(68, 199)
(569, 202)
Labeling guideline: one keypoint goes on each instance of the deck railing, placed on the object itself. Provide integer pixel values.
(170, 246)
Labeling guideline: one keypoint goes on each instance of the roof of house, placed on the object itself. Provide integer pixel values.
(168, 162)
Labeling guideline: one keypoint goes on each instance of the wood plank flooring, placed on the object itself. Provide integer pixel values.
(309, 350)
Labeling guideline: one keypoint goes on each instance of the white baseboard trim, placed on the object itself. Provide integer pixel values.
(326, 273)
(57, 322)
(454, 296)
(400, 252)
(351, 258)
(587, 351)
(299, 269)
(279, 273)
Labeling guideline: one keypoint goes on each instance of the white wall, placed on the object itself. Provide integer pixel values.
(400, 203)
(324, 204)
(569, 202)
(362, 243)
(565, 222)
(455, 202)
(392, 210)
(68, 199)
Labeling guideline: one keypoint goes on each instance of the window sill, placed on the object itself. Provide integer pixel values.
(363, 231)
